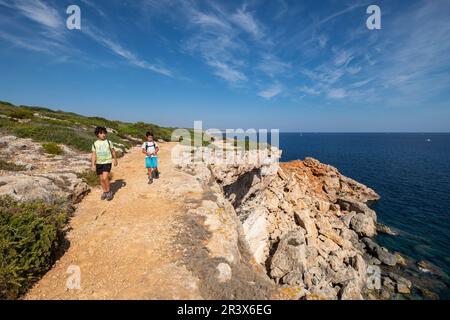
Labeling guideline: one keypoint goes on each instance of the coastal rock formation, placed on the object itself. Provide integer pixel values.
(299, 227)
(307, 224)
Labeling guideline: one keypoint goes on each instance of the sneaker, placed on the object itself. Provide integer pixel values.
(109, 196)
(156, 174)
(103, 197)
(150, 180)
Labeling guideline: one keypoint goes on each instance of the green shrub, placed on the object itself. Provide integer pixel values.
(6, 103)
(20, 113)
(70, 128)
(30, 235)
(43, 133)
(91, 177)
(9, 166)
(52, 148)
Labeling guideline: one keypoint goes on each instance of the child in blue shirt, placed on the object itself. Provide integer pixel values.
(150, 149)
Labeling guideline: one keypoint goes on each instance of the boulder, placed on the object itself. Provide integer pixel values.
(29, 188)
(256, 233)
(363, 225)
(325, 246)
(380, 253)
(293, 278)
(290, 255)
(357, 206)
(303, 219)
(388, 284)
(403, 285)
(360, 266)
(381, 228)
(347, 218)
(324, 291)
(351, 291)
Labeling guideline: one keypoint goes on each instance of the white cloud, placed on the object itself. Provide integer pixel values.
(271, 92)
(227, 72)
(340, 13)
(129, 56)
(209, 20)
(324, 74)
(272, 66)
(216, 40)
(361, 83)
(412, 61)
(343, 57)
(310, 90)
(354, 70)
(247, 22)
(39, 12)
(337, 93)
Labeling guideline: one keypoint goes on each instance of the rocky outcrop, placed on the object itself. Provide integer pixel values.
(44, 177)
(380, 253)
(221, 255)
(305, 223)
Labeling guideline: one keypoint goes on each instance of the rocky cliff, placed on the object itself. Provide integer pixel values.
(307, 225)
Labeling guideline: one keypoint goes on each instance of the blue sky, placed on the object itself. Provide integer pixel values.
(291, 65)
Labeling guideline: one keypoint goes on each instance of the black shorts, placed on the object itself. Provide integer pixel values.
(100, 168)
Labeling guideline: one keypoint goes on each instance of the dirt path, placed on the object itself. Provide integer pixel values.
(123, 247)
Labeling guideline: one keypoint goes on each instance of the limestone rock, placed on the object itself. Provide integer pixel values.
(304, 220)
(381, 228)
(381, 254)
(363, 225)
(311, 218)
(256, 234)
(293, 278)
(28, 188)
(403, 285)
(224, 271)
(290, 255)
(351, 291)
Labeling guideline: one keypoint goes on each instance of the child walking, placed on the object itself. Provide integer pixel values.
(150, 149)
(103, 153)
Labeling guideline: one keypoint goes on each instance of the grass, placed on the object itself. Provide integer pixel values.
(91, 178)
(20, 113)
(74, 130)
(30, 235)
(9, 166)
(52, 148)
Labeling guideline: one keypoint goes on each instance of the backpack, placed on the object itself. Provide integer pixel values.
(147, 145)
(109, 144)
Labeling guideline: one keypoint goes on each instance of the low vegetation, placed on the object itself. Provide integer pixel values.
(30, 236)
(9, 166)
(91, 178)
(74, 130)
(52, 148)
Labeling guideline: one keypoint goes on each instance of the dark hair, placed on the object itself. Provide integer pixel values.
(99, 130)
(148, 134)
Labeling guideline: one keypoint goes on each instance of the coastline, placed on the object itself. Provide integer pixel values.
(303, 229)
(326, 214)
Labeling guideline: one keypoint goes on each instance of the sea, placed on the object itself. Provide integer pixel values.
(411, 173)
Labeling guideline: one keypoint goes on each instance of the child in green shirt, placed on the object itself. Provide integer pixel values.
(103, 153)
